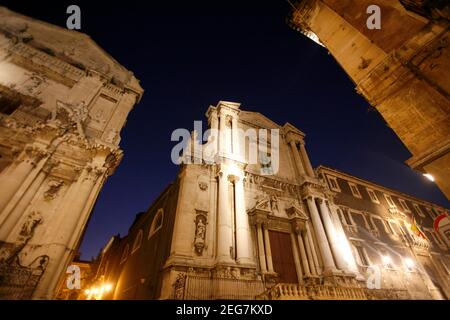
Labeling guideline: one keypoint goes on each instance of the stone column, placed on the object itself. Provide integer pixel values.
(61, 251)
(297, 159)
(303, 255)
(322, 240)
(17, 213)
(222, 133)
(235, 134)
(214, 127)
(268, 249)
(312, 258)
(243, 252)
(224, 223)
(262, 255)
(12, 179)
(348, 252)
(298, 267)
(310, 241)
(332, 236)
(309, 168)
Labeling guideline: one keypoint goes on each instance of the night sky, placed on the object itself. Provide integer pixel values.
(189, 56)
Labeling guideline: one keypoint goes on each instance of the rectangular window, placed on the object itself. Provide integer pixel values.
(362, 255)
(390, 201)
(404, 205)
(430, 213)
(355, 190)
(373, 196)
(333, 184)
(347, 219)
(418, 210)
(389, 227)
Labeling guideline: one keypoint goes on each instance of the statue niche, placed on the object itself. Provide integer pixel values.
(200, 233)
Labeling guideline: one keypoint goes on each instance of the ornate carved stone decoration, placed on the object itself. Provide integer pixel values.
(203, 185)
(11, 255)
(200, 233)
(32, 221)
(274, 204)
(33, 155)
(294, 210)
(53, 188)
(112, 136)
(66, 113)
(178, 286)
(33, 85)
(262, 204)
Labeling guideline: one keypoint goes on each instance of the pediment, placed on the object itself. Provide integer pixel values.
(71, 46)
(258, 120)
(295, 211)
(288, 127)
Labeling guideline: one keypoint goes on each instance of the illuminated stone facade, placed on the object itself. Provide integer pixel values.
(229, 229)
(401, 69)
(63, 103)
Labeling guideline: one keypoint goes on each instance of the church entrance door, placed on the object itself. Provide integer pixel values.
(283, 260)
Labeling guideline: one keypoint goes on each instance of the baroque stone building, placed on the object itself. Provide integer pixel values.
(230, 227)
(63, 102)
(401, 68)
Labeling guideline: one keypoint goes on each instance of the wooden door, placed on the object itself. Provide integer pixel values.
(282, 256)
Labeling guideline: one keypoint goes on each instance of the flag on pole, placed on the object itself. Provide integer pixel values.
(416, 230)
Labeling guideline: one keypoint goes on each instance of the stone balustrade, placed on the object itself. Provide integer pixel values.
(292, 291)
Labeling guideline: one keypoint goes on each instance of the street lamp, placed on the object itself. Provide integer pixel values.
(409, 263)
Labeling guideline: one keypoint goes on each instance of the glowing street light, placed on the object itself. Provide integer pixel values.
(429, 177)
(107, 287)
(386, 260)
(409, 263)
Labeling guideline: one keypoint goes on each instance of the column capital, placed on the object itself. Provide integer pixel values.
(32, 155)
(50, 165)
(320, 200)
(92, 173)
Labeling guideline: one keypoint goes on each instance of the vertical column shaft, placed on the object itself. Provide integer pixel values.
(268, 249)
(303, 255)
(17, 213)
(298, 267)
(224, 227)
(261, 253)
(14, 176)
(222, 133)
(312, 258)
(243, 250)
(235, 134)
(322, 240)
(309, 168)
(214, 123)
(332, 236)
(297, 159)
(72, 207)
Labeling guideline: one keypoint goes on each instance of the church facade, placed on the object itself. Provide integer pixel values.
(232, 228)
(63, 103)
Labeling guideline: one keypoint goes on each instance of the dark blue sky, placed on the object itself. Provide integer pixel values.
(190, 56)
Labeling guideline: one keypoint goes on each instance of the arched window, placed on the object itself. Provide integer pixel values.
(124, 254)
(137, 242)
(157, 222)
